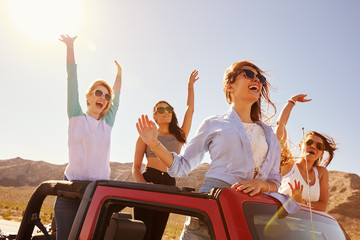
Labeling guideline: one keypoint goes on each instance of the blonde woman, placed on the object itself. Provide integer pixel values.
(88, 135)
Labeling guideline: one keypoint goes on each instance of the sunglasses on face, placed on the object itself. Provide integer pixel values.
(161, 110)
(319, 145)
(100, 94)
(251, 75)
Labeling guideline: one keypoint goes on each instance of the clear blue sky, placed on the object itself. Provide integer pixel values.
(306, 46)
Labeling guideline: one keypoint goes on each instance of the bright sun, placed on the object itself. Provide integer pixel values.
(46, 20)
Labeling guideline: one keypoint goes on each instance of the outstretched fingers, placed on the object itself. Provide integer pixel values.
(146, 129)
(67, 39)
(301, 98)
(140, 125)
(194, 76)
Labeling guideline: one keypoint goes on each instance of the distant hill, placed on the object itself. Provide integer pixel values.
(344, 188)
(19, 172)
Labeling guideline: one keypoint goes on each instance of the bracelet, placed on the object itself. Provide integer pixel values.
(155, 147)
(292, 101)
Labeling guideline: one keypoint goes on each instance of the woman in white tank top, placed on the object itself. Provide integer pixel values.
(307, 178)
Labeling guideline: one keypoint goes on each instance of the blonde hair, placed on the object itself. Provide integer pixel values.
(107, 86)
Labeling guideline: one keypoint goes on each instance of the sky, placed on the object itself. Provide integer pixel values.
(305, 46)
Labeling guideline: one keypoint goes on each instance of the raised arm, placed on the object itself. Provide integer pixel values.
(148, 134)
(117, 83)
(69, 41)
(285, 114)
(190, 103)
(73, 105)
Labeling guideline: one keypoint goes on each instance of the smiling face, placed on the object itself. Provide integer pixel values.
(164, 117)
(310, 148)
(97, 104)
(244, 88)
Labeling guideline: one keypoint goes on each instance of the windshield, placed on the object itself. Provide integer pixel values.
(268, 221)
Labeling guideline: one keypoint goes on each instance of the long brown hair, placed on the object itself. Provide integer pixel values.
(174, 128)
(229, 77)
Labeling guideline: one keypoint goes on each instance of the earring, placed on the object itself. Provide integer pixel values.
(228, 87)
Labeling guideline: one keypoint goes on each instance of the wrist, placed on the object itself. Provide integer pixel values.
(292, 101)
(154, 145)
(268, 188)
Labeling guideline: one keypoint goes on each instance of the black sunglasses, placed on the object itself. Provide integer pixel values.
(161, 110)
(251, 75)
(319, 145)
(99, 94)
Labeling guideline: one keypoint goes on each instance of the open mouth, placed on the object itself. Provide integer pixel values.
(311, 152)
(254, 88)
(99, 104)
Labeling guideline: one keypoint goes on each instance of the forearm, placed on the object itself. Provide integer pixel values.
(117, 83)
(280, 130)
(190, 97)
(319, 205)
(70, 56)
(73, 105)
(137, 175)
(162, 153)
(285, 112)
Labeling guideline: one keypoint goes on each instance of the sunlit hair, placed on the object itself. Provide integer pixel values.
(229, 77)
(174, 129)
(286, 156)
(330, 147)
(107, 86)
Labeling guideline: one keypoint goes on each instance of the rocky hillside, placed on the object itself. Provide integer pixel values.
(344, 187)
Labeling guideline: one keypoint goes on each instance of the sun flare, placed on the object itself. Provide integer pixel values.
(46, 20)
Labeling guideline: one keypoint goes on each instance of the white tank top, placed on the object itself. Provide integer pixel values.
(295, 174)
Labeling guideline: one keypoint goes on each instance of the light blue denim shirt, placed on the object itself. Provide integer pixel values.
(225, 139)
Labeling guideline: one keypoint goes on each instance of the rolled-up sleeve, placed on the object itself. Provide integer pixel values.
(193, 154)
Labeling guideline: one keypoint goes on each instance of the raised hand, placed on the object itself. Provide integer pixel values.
(147, 131)
(118, 67)
(300, 98)
(193, 77)
(296, 191)
(67, 39)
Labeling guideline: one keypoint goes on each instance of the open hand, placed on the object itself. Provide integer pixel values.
(147, 130)
(300, 98)
(296, 191)
(67, 39)
(193, 77)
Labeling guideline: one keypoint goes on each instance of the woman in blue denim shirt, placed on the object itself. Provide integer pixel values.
(244, 152)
